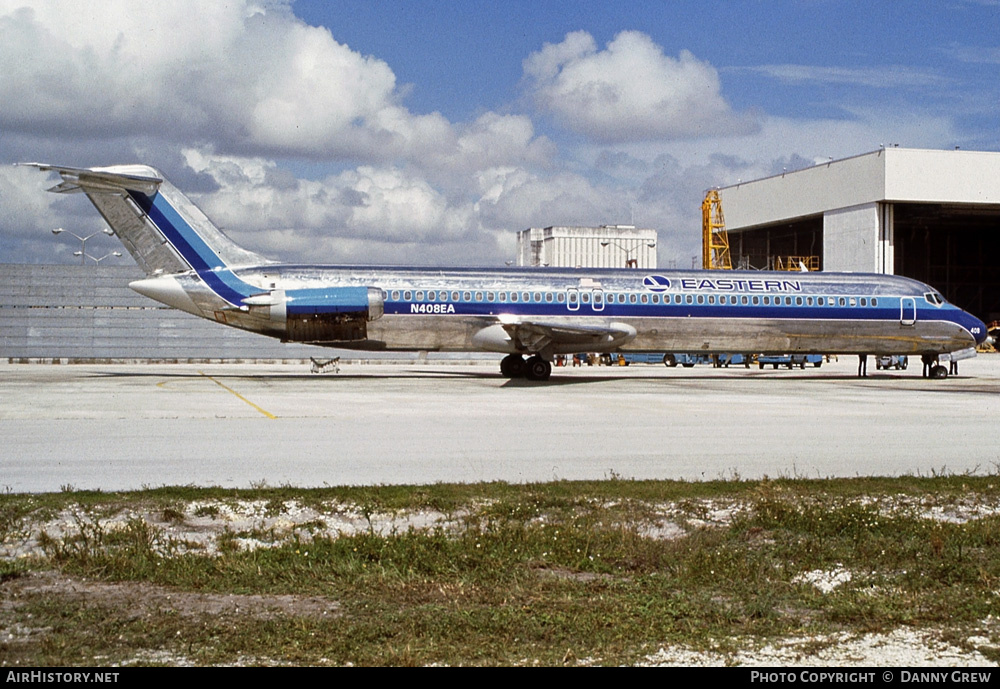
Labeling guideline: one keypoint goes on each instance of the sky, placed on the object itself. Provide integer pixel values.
(429, 132)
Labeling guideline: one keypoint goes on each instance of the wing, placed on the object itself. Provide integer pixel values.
(526, 335)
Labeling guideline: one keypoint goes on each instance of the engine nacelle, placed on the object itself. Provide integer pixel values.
(331, 315)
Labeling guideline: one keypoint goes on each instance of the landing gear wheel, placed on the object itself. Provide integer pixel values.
(537, 368)
(939, 372)
(669, 360)
(512, 366)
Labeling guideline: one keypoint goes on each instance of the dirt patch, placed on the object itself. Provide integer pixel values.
(140, 599)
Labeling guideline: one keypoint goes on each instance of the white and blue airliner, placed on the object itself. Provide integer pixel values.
(529, 314)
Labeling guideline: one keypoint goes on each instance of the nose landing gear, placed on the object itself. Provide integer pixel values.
(932, 369)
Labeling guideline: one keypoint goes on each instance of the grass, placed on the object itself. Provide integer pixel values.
(560, 573)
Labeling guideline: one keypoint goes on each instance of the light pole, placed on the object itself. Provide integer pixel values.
(94, 258)
(82, 253)
(629, 261)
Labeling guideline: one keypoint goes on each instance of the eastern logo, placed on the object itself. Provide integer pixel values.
(656, 283)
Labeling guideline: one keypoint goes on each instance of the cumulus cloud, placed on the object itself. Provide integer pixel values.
(630, 91)
(302, 148)
(247, 77)
(259, 203)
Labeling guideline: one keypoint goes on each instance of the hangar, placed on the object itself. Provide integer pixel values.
(930, 215)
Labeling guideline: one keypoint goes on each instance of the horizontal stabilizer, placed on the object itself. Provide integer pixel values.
(122, 177)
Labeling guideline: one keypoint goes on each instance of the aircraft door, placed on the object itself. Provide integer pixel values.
(573, 299)
(598, 300)
(907, 311)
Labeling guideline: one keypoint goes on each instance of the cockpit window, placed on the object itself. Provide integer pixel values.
(934, 298)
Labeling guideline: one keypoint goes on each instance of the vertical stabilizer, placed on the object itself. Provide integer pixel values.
(160, 227)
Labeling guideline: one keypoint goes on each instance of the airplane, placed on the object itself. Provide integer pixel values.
(191, 265)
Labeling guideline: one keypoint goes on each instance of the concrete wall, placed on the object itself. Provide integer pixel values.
(892, 174)
(942, 176)
(850, 239)
(803, 193)
(88, 312)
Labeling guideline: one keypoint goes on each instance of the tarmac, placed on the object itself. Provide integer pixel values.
(129, 426)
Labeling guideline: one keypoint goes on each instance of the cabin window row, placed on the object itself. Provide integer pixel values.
(584, 297)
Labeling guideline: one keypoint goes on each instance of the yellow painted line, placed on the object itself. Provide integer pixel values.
(226, 387)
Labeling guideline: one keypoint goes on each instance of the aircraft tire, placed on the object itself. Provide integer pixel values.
(512, 366)
(939, 372)
(537, 368)
(669, 360)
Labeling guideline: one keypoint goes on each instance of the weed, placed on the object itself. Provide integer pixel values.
(548, 573)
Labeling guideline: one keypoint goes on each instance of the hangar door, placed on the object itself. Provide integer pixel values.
(955, 248)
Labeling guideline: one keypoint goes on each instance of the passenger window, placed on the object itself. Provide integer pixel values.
(407, 295)
(798, 301)
(874, 301)
(809, 301)
(431, 296)
(585, 297)
(525, 297)
(656, 298)
(560, 297)
(788, 301)
(632, 299)
(644, 298)
(395, 295)
(548, 297)
(864, 302)
(756, 300)
(843, 302)
(711, 299)
(701, 299)
(479, 296)
(538, 297)
(503, 296)
(621, 298)
(689, 299)
(743, 300)
(513, 296)
(420, 296)
(767, 301)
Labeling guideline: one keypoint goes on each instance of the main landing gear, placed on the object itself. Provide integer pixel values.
(535, 368)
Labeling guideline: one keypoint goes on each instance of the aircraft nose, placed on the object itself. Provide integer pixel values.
(976, 327)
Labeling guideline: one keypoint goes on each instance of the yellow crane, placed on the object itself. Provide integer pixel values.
(714, 240)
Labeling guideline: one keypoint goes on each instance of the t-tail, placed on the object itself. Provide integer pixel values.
(162, 229)
(193, 266)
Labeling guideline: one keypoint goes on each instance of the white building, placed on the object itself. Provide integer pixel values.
(607, 246)
(929, 215)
